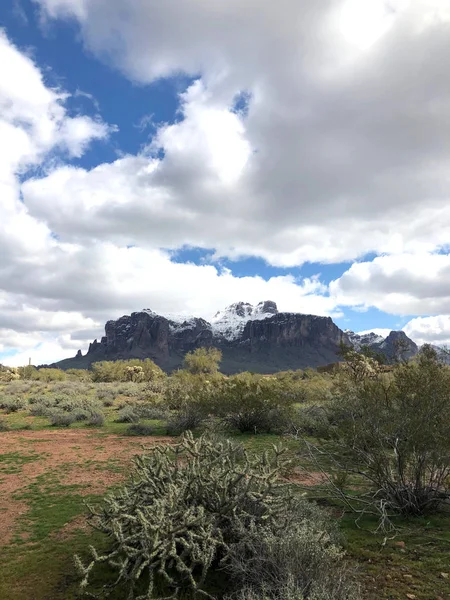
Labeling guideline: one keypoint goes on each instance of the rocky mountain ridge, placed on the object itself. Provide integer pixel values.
(254, 338)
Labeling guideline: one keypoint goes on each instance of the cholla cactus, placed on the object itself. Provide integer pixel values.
(183, 507)
(9, 373)
(134, 373)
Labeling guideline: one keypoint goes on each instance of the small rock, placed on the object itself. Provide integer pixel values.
(444, 575)
(407, 576)
(411, 596)
(400, 544)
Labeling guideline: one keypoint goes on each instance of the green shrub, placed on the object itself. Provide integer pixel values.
(108, 371)
(81, 414)
(79, 375)
(140, 429)
(96, 419)
(187, 419)
(127, 415)
(203, 361)
(39, 409)
(48, 374)
(303, 563)
(59, 418)
(11, 405)
(394, 430)
(152, 411)
(256, 405)
(4, 425)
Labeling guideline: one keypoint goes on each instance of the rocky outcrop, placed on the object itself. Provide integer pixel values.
(255, 338)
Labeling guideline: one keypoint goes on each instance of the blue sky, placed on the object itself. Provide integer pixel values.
(185, 158)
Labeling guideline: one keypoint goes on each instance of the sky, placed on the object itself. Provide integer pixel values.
(187, 154)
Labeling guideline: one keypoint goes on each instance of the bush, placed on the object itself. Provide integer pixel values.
(11, 405)
(192, 507)
(96, 419)
(140, 429)
(203, 361)
(48, 375)
(395, 430)
(305, 562)
(187, 419)
(39, 409)
(3, 425)
(124, 370)
(254, 404)
(79, 375)
(59, 418)
(152, 411)
(127, 415)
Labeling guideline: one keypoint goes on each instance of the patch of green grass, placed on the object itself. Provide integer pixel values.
(392, 569)
(11, 462)
(51, 506)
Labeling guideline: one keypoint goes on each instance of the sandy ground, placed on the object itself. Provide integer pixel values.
(65, 453)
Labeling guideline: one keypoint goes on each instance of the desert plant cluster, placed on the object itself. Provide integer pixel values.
(202, 515)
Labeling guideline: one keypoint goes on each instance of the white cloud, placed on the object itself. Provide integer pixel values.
(429, 330)
(404, 284)
(344, 150)
(335, 150)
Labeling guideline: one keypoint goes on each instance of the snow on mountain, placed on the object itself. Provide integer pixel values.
(230, 322)
(364, 338)
(177, 322)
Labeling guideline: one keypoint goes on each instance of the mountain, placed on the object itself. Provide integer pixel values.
(396, 345)
(252, 338)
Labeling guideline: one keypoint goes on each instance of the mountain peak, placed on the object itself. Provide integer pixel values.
(231, 321)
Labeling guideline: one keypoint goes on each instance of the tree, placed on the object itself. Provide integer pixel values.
(394, 430)
(203, 361)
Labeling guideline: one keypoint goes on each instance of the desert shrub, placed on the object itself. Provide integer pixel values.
(59, 418)
(38, 399)
(127, 415)
(256, 405)
(395, 430)
(11, 405)
(151, 410)
(3, 425)
(189, 508)
(140, 429)
(49, 374)
(305, 562)
(203, 361)
(313, 420)
(69, 388)
(39, 409)
(107, 371)
(184, 388)
(130, 389)
(106, 393)
(96, 419)
(156, 386)
(18, 388)
(79, 375)
(81, 414)
(187, 419)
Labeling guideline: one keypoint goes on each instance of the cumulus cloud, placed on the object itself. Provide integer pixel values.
(340, 140)
(342, 149)
(429, 330)
(404, 284)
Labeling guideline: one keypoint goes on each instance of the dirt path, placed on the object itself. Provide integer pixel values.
(86, 458)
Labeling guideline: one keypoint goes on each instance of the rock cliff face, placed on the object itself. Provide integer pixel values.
(255, 338)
